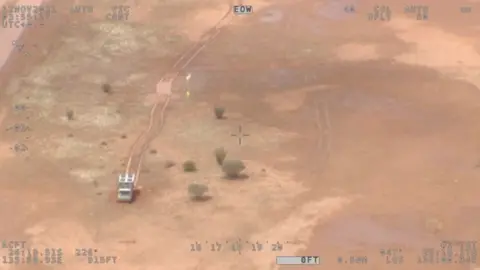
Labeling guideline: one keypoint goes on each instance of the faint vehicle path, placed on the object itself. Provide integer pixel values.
(157, 117)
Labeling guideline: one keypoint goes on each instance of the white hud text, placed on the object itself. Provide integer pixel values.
(242, 9)
(298, 260)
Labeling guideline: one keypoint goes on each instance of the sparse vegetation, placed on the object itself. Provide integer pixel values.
(189, 166)
(219, 112)
(220, 155)
(70, 114)
(107, 88)
(197, 191)
(233, 168)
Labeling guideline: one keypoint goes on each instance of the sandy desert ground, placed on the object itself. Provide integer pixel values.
(363, 135)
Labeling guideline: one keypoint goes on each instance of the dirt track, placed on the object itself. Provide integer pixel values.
(157, 114)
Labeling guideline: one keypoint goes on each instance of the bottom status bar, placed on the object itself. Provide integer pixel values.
(298, 260)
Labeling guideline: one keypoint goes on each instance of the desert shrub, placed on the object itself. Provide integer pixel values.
(197, 191)
(69, 114)
(220, 154)
(107, 88)
(189, 166)
(219, 112)
(233, 168)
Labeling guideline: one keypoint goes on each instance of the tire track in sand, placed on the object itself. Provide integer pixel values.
(157, 117)
(324, 142)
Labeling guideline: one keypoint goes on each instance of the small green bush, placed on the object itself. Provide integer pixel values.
(197, 191)
(70, 114)
(189, 166)
(220, 155)
(233, 168)
(219, 112)
(107, 88)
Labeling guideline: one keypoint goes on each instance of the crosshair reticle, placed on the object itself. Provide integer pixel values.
(240, 135)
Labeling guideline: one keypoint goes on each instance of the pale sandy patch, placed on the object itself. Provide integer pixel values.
(41, 97)
(13, 87)
(357, 52)
(87, 175)
(94, 116)
(5, 152)
(3, 113)
(63, 148)
(286, 158)
(446, 52)
(151, 99)
(202, 20)
(94, 78)
(163, 90)
(164, 87)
